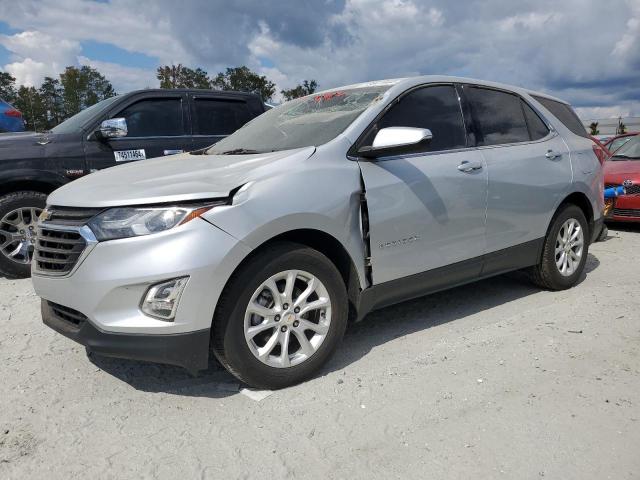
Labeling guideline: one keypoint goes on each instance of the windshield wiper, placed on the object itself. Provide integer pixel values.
(622, 155)
(238, 151)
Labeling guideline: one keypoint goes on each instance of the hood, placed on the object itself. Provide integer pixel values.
(176, 178)
(616, 169)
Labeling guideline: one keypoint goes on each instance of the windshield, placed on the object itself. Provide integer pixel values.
(628, 151)
(75, 123)
(308, 121)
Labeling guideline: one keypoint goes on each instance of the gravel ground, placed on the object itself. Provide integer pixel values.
(493, 380)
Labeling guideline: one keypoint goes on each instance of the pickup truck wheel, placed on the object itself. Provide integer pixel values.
(281, 317)
(19, 213)
(565, 250)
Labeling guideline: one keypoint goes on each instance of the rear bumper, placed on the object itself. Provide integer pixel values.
(597, 228)
(189, 350)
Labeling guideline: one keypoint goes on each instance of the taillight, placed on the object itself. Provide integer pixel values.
(13, 113)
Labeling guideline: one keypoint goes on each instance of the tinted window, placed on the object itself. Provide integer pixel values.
(537, 128)
(565, 114)
(154, 117)
(218, 117)
(498, 116)
(435, 108)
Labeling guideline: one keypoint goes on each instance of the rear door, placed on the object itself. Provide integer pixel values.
(157, 126)
(529, 169)
(215, 116)
(426, 210)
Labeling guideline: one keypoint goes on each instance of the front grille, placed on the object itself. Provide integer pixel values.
(67, 314)
(626, 212)
(632, 190)
(70, 216)
(57, 251)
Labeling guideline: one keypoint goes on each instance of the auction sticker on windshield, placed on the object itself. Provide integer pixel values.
(128, 155)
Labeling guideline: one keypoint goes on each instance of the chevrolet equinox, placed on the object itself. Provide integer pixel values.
(261, 248)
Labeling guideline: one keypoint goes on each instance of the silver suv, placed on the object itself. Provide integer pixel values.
(263, 247)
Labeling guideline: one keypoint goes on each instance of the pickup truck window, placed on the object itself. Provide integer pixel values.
(218, 117)
(154, 117)
(79, 120)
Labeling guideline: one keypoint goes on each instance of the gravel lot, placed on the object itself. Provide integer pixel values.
(493, 380)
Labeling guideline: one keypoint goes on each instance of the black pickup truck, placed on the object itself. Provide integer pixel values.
(136, 126)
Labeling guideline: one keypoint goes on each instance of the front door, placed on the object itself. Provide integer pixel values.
(426, 210)
(156, 126)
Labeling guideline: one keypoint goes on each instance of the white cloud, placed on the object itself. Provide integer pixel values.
(36, 55)
(124, 79)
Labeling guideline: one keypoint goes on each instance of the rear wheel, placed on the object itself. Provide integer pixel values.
(281, 317)
(565, 250)
(19, 213)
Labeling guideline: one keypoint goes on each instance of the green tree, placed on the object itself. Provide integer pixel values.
(179, 76)
(34, 113)
(51, 93)
(7, 87)
(244, 80)
(622, 128)
(593, 128)
(307, 88)
(83, 87)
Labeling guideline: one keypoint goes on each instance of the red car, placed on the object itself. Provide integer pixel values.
(623, 168)
(614, 143)
(600, 150)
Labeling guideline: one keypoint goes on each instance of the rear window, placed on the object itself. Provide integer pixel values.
(498, 116)
(565, 114)
(218, 117)
(537, 128)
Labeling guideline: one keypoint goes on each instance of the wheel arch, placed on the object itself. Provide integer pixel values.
(35, 181)
(580, 200)
(324, 243)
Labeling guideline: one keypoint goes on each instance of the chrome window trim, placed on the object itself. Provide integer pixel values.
(90, 242)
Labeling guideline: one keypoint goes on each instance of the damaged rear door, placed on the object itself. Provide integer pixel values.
(426, 210)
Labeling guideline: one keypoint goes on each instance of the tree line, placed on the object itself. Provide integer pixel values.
(80, 87)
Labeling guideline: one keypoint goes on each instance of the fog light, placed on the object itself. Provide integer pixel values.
(161, 300)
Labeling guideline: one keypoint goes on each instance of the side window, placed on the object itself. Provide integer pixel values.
(498, 116)
(565, 114)
(537, 128)
(435, 108)
(154, 117)
(218, 117)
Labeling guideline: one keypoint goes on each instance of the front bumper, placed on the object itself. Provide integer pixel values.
(626, 209)
(188, 350)
(108, 285)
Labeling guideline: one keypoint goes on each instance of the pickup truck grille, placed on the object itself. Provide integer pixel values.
(57, 251)
(626, 212)
(70, 216)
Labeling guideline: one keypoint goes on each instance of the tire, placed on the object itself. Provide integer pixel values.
(547, 274)
(18, 266)
(604, 234)
(231, 318)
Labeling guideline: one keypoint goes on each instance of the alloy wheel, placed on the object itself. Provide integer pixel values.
(569, 247)
(287, 319)
(18, 234)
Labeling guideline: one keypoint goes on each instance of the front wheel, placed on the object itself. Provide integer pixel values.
(565, 250)
(281, 317)
(19, 213)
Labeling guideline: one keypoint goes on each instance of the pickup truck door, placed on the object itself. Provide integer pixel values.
(157, 126)
(214, 116)
(426, 210)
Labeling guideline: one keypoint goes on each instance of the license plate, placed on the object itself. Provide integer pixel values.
(129, 155)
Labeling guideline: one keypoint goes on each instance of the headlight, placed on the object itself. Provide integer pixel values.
(124, 222)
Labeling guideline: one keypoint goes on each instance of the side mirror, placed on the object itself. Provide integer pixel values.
(113, 128)
(396, 141)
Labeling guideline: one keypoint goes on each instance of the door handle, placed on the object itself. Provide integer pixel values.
(469, 166)
(551, 155)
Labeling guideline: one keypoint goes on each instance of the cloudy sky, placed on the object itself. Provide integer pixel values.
(586, 51)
